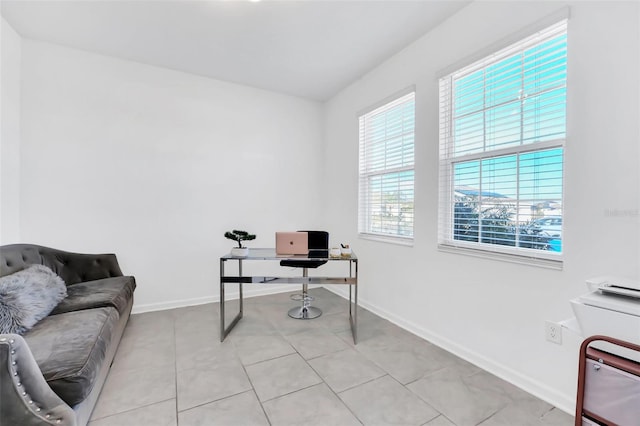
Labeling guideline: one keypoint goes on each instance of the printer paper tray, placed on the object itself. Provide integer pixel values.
(620, 291)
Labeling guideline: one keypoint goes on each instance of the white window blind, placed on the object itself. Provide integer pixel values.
(502, 135)
(387, 169)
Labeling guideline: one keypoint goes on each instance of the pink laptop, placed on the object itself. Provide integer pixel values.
(292, 243)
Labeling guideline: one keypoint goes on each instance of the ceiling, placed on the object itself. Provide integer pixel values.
(306, 48)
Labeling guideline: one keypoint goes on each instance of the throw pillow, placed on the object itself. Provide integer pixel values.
(27, 296)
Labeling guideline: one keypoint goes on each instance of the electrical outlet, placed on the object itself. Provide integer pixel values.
(553, 331)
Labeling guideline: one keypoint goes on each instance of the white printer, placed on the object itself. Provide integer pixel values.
(611, 308)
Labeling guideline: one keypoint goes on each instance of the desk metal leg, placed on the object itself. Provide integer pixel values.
(353, 313)
(225, 331)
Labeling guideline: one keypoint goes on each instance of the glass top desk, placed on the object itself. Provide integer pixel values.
(269, 254)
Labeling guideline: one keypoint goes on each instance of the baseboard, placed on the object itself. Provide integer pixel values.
(539, 390)
(230, 295)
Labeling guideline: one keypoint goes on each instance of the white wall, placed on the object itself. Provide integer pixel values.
(10, 50)
(155, 165)
(493, 312)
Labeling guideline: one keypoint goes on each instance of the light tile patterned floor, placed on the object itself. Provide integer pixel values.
(171, 369)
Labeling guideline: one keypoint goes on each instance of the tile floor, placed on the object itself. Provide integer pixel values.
(171, 369)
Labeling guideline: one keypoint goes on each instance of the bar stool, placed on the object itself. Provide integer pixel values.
(318, 246)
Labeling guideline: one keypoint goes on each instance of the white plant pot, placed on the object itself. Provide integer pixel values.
(240, 252)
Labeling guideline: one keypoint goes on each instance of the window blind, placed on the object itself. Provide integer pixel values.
(386, 169)
(502, 133)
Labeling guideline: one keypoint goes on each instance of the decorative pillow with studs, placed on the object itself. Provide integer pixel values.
(27, 296)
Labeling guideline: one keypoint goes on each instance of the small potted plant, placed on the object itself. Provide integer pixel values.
(239, 237)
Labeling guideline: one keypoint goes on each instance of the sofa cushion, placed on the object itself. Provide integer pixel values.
(27, 296)
(70, 349)
(115, 292)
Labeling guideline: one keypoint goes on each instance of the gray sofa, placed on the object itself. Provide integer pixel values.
(53, 373)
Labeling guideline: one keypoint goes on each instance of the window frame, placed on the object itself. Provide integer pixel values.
(448, 158)
(364, 191)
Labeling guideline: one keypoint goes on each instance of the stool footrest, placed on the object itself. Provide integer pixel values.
(301, 297)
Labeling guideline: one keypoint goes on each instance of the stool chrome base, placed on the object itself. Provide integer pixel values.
(305, 311)
(301, 312)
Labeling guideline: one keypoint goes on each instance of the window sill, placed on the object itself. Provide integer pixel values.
(522, 259)
(387, 239)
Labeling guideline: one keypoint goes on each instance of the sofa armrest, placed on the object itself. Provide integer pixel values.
(73, 268)
(25, 397)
